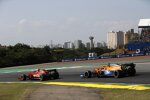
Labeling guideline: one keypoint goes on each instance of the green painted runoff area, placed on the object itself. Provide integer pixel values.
(13, 70)
(19, 70)
(66, 66)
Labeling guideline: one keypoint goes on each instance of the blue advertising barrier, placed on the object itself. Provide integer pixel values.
(107, 57)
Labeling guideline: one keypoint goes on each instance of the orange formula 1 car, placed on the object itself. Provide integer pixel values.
(113, 70)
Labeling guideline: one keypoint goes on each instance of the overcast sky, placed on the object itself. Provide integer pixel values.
(37, 22)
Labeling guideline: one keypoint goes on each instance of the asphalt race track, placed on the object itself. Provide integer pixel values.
(73, 75)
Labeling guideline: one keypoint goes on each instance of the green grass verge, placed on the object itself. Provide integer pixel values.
(15, 91)
(115, 52)
(18, 92)
(122, 94)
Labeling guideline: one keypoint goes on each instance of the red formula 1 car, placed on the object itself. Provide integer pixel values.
(41, 75)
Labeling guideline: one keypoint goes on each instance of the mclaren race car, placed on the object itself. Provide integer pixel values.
(112, 70)
(40, 74)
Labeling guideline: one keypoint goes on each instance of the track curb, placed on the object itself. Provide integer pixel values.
(106, 86)
(138, 87)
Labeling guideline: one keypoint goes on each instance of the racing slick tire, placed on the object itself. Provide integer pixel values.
(42, 78)
(131, 72)
(23, 77)
(88, 74)
(56, 75)
(116, 74)
(100, 74)
(53, 75)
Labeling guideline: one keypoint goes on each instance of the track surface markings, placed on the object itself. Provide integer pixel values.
(107, 86)
(139, 87)
(34, 69)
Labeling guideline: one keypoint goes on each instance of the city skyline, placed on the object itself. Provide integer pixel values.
(77, 44)
(37, 22)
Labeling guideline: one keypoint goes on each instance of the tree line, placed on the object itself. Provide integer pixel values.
(23, 54)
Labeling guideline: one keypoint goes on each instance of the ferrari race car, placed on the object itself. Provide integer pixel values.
(41, 75)
(112, 70)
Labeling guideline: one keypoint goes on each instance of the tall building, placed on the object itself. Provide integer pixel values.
(91, 42)
(68, 45)
(98, 45)
(120, 39)
(115, 39)
(78, 44)
(111, 40)
(131, 37)
(88, 45)
(58, 46)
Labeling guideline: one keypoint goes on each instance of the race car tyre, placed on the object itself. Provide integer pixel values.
(56, 75)
(131, 72)
(23, 77)
(100, 74)
(41, 77)
(116, 74)
(88, 74)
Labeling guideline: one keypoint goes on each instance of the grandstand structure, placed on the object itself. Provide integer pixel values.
(144, 29)
(144, 42)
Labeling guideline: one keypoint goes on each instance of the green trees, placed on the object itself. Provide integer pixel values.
(60, 53)
(22, 54)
